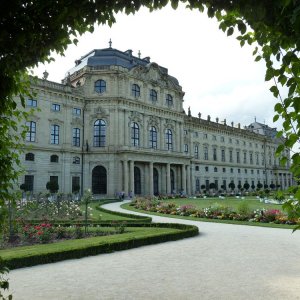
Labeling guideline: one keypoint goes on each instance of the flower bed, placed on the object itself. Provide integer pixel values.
(216, 211)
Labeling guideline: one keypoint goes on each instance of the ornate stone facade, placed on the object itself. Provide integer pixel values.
(116, 123)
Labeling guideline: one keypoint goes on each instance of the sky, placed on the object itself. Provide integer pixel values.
(219, 77)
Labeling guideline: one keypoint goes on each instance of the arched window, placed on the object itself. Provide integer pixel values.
(135, 134)
(137, 181)
(169, 100)
(153, 137)
(29, 156)
(135, 90)
(54, 134)
(99, 133)
(99, 180)
(54, 158)
(100, 86)
(30, 134)
(153, 95)
(169, 139)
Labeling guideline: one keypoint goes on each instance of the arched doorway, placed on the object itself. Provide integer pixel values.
(137, 181)
(172, 181)
(99, 180)
(155, 182)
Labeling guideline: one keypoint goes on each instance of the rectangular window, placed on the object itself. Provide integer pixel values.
(224, 170)
(222, 139)
(230, 156)
(31, 102)
(251, 158)
(29, 182)
(245, 157)
(205, 153)
(196, 151)
(75, 184)
(31, 132)
(54, 134)
(76, 111)
(238, 157)
(215, 154)
(55, 107)
(206, 169)
(223, 154)
(214, 138)
(186, 148)
(205, 135)
(230, 140)
(76, 137)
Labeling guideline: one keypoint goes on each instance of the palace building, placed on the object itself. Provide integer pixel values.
(116, 123)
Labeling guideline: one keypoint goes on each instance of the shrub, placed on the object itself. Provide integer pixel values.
(243, 208)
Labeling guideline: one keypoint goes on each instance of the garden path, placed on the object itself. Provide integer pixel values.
(224, 262)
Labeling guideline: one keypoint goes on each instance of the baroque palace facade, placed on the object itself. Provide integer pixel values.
(116, 123)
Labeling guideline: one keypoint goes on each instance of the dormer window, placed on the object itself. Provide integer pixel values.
(135, 90)
(100, 86)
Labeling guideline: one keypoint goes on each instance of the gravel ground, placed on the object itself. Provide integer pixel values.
(224, 262)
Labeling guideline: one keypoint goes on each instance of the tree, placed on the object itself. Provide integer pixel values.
(272, 186)
(246, 186)
(259, 185)
(212, 185)
(231, 185)
(52, 186)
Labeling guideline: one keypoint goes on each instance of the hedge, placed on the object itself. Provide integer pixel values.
(60, 255)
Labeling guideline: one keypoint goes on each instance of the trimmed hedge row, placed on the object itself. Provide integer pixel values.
(185, 232)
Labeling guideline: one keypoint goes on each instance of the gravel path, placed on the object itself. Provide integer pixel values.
(223, 262)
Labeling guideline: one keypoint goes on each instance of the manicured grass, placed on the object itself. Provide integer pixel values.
(102, 215)
(132, 233)
(271, 225)
(253, 202)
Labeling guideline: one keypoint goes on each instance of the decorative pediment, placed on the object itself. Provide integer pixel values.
(153, 121)
(151, 73)
(135, 117)
(100, 113)
(169, 125)
(76, 121)
(56, 121)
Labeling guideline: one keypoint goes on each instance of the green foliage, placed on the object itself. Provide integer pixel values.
(4, 284)
(146, 234)
(243, 208)
(52, 186)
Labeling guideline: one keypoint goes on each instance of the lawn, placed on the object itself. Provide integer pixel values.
(97, 215)
(201, 203)
(253, 202)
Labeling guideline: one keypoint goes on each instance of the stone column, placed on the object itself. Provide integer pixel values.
(183, 182)
(169, 179)
(177, 142)
(151, 179)
(125, 129)
(131, 172)
(163, 180)
(188, 176)
(125, 176)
